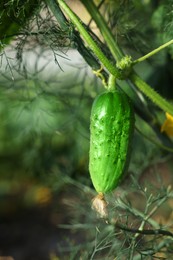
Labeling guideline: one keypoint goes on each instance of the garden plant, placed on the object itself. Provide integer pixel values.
(109, 117)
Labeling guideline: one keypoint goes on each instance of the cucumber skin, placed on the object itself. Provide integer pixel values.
(111, 133)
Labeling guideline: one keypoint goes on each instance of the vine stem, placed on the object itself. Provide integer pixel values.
(89, 40)
(104, 29)
(153, 52)
(135, 79)
(151, 93)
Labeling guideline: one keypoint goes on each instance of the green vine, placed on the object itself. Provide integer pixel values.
(89, 40)
(148, 55)
(104, 29)
(123, 70)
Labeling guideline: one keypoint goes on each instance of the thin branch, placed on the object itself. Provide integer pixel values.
(145, 231)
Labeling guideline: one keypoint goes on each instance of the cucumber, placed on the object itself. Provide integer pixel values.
(111, 133)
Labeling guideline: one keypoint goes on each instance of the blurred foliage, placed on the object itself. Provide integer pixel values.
(13, 16)
(36, 127)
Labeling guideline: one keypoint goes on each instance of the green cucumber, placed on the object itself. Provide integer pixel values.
(111, 132)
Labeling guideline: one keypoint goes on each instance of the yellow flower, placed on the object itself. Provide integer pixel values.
(43, 195)
(167, 126)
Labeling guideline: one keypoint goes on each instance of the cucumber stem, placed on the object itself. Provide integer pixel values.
(104, 29)
(111, 83)
(135, 79)
(89, 40)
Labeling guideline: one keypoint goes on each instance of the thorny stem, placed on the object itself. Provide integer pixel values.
(135, 79)
(79, 44)
(116, 52)
(104, 29)
(89, 40)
